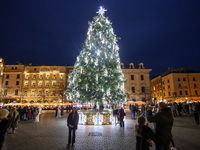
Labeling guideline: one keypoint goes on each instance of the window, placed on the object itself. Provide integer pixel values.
(40, 84)
(186, 92)
(7, 76)
(47, 93)
(61, 84)
(163, 88)
(195, 85)
(133, 89)
(61, 76)
(196, 92)
(15, 68)
(169, 93)
(61, 93)
(16, 92)
(5, 92)
(27, 76)
(40, 93)
(34, 76)
(34, 69)
(132, 77)
(18, 76)
(33, 93)
(47, 76)
(184, 79)
(54, 84)
(53, 93)
(164, 94)
(54, 76)
(194, 79)
(25, 93)
(26, 83)
(142, 77)
(181, 93)
(6, 83)
(179, 85)
(143, 89)
(41, 76)
(168, 86)
(12, 68)
(17, 82)
(168, 81)
(33, 83)
(163, 82)
(47, 83)
(179, 79)
(160, 94)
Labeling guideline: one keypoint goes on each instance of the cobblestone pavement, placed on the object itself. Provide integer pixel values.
(51, 134)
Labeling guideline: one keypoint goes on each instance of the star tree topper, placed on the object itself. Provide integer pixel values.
(101, 10)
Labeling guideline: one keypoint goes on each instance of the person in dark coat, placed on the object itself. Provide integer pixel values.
(4, 123)
(144, 135)
(121, 115)
(132, 112)
(164, 122)
(72, 123)
(62, 111)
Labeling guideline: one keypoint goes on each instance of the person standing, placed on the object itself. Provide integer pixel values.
(14, 115)
(56, 112)
(72, 123)
(62, 111)
(37, 115)
(132, 112)
(164, 122)
(121, 115)
(144, 135)
(4, 123)
(195, 113)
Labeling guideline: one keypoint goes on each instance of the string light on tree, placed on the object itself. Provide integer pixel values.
(97, 72)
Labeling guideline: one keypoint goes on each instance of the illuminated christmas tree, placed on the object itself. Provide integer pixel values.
(97, 75)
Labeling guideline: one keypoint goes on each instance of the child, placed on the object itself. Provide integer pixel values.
(144, 135)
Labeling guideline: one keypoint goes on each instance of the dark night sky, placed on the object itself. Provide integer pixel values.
(159, 33)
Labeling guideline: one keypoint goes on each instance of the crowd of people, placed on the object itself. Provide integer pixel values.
(162, 117)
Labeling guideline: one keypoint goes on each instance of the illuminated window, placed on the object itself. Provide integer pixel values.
(32, 93)
(47, 83)
(27, 76)
(54, 76)
(33, 83)
(40, 93)
(40, 83)
(47, 76)
(41, 76)
(61, 76)
(47, 93)
(34, 76)
(26, 83)
(53, 93)
(54, 83)
(25, 93)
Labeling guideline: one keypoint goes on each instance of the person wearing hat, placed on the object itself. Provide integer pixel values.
(164, 122)
(4, 123)
(72, 123)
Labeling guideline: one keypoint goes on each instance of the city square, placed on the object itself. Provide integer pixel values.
(99, 75)
(51, 133)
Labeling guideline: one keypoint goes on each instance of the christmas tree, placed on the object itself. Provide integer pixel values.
(97, 75)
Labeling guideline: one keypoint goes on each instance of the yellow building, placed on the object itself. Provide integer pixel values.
(176, 85)
(138, 83)
(44, 84)
(12, 83)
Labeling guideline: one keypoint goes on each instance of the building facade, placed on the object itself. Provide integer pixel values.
(46, 84)
(138, 83)
(176, 85)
